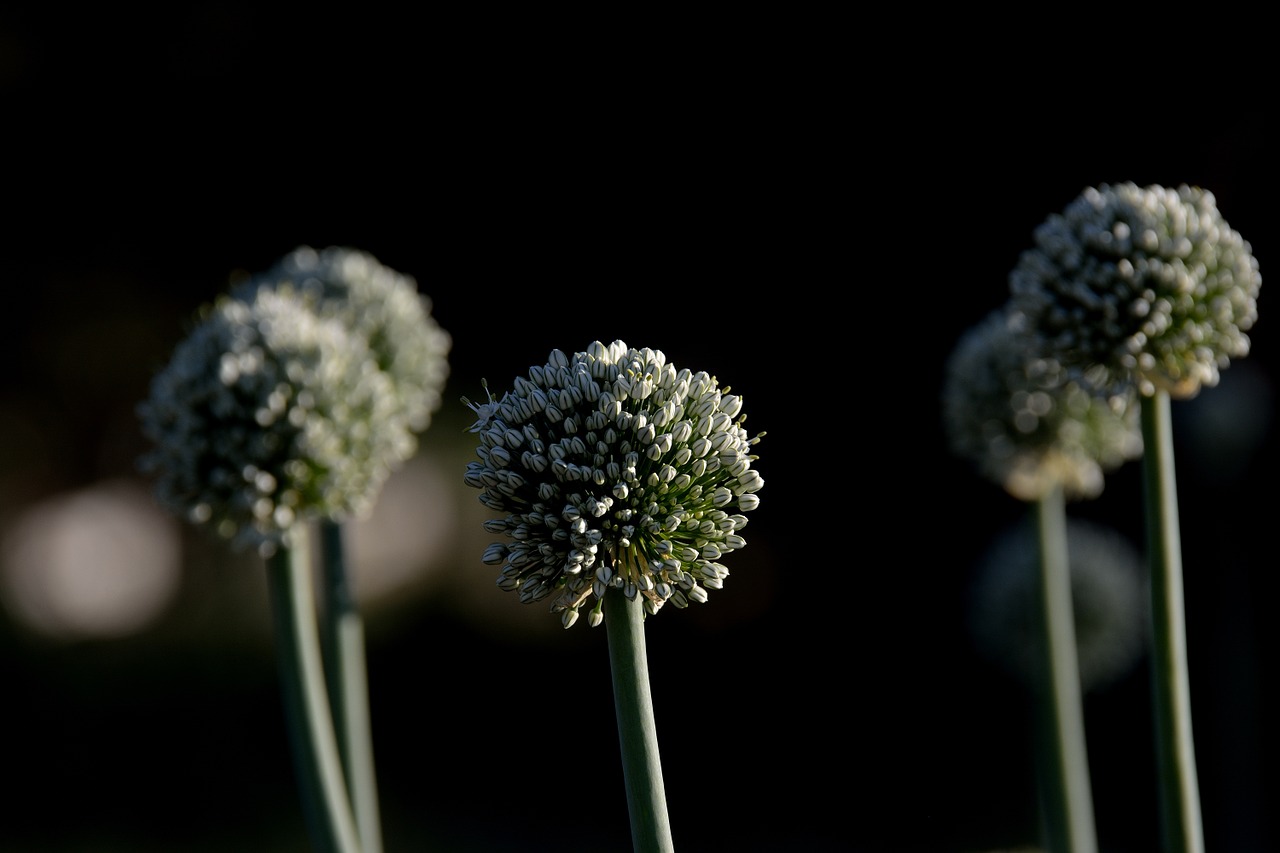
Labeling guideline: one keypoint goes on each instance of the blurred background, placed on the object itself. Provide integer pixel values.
(812, 232)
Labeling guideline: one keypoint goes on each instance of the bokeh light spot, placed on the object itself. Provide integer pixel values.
(96, 563)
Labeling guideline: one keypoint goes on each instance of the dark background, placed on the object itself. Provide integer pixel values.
(762, 202)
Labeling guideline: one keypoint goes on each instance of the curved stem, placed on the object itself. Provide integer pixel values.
(347, 678)
(315, 748)
(1068, 796)
(637, 733)
(1175, 749)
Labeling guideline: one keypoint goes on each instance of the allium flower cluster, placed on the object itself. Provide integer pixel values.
(610, 468)
(1018, 417)
(1141, 285)
(269, 414)
(380, 305)
(1109, 595)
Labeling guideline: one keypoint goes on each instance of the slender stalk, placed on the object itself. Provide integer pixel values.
(637, 734)
(1066, 789)
(343, 632)
(1175, 748)
(315, 748)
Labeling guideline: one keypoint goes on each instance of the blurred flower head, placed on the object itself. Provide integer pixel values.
(1140, 285)
(380, 305)
(1014, 413)
(269, 414)
(611, 468)
(1109, 599)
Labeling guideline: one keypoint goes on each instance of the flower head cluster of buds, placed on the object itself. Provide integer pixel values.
(271, 413)
(1013, 412)
(610, 468)
(1140, 285)
(380, 305)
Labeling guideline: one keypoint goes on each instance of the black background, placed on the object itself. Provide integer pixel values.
(762, 200)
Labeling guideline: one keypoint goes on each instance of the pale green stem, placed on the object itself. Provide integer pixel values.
(343, 632)
(1068, 796)
(315, 747)
(637, 733)
(1175, 748)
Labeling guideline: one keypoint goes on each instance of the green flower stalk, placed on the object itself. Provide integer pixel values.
(619, 483)
(343, 649)
(1149, 287)
(1025, 424)
(310, 725)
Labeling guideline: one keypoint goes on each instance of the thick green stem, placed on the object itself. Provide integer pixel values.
(315, 748)
(637, 733)
(343, 633)
(1175, 748)
(1067, 793)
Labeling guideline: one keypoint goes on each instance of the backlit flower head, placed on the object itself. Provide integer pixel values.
(269, 414)
(1143, 285)
(1014, 413)
(611, 468)
(382, 306)
(1109, 598)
